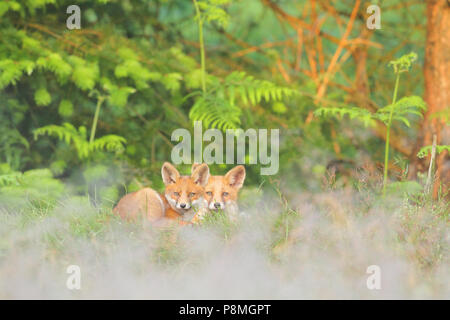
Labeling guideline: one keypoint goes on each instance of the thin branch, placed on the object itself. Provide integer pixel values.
(334, 59)
(297, 23)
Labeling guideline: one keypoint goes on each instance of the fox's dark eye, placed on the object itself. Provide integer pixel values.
(209, 193)
(177, 194)
(191, 194)
(225, 194)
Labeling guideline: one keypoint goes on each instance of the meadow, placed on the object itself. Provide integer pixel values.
(287, 244)
(351, 201)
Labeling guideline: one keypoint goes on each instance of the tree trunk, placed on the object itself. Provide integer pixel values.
(437, 91)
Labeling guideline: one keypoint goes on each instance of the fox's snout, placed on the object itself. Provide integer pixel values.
(216, 205)
(182, 203)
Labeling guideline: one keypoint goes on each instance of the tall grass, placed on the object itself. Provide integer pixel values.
(285, 245)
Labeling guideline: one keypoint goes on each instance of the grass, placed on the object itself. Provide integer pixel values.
(305, 246)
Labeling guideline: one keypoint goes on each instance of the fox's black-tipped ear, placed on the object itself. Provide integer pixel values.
(200, 174)
(194, 166)
(169, 173)
(236, 176)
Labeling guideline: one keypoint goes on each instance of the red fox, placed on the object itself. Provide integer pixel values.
(183, 196)
(221, 192)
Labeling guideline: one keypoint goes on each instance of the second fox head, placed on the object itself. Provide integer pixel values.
(221, 192)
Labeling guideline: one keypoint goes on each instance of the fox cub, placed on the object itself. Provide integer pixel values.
(182, 199)
(221, 192)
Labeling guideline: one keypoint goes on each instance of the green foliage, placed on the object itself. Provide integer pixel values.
(143, 59)
(404, 63)
(54, 63)
(406, 189)
(397, 110)
(30, 6)
(11, 71)
(210, 10)
(400, 65)
(78, 138)
(217, 107)
(425, 151)
(412, 105)
(12, 146)
(221, 106)
(84, 74)
(130, 67)
(65, 108)
(215, 113)
(145, 63)
(9, 178)
(359, 114)
(62, 78)
(279, 107)
(42, 97)
(35, 187)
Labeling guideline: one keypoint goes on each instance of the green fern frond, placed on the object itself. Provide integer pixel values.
(111, 143)
(359, 114)
(425, 151)
(211, 11)
(403, 63)
(118, 96)
(11, 71)
(220, 107)
(215, 113)
(407, 105)
(55, 63)
(402, 108)
(132, 68)
(251, 90)
(78, 138)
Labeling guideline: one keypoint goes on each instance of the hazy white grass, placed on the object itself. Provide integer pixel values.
(317, 246)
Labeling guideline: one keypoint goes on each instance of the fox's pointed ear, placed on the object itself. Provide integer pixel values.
(169, 173)
(236, 176)
(201, 174)
(194, 166)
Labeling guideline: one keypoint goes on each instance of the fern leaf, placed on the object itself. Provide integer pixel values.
(426, 150)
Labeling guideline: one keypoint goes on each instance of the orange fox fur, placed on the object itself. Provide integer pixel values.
(221, 192)
(182, 198)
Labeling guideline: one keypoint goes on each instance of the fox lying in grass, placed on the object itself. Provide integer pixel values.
(182, 199)
(221, 193)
